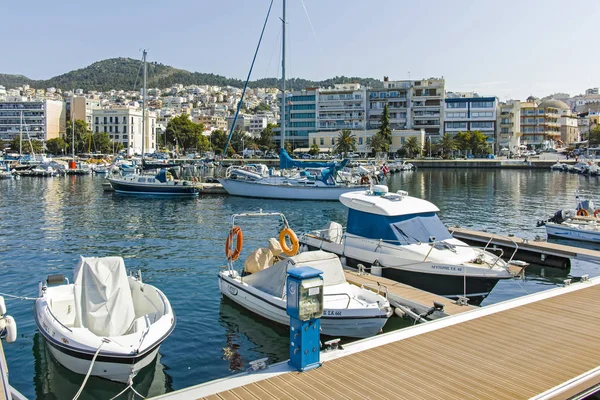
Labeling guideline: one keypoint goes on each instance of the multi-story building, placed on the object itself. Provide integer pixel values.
(396, 95)
(124, 126)
(463, 114)
(299, 116)
(569, 127)
(539, 123)
(257, 124)
(80, 108)
(427, 102)
(40, 120)
(242, 123)
(342, 106)
(509, 136)
(212, 122)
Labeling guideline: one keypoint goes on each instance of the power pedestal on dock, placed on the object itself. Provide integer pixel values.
(305, 307)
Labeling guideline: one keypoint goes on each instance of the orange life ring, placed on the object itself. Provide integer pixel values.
(597, 213)
(364, 180)
(290, 251)
(583, 213)
(229, 252)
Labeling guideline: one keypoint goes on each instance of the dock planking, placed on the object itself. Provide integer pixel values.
(465, 356)
(405, 295)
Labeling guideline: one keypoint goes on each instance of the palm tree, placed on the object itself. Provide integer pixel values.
(378, 143)
(346, 142)
(447, 144)
(412, 146)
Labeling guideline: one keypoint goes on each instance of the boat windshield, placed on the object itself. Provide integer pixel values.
(400, 229)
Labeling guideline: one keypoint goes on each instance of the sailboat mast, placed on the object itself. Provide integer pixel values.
(144, 105)
(21, 136)
(73, 124)
(283, 79)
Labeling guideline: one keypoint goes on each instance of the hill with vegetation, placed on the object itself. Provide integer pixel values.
(125, 74)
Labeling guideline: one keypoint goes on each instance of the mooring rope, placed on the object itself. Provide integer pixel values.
(17, 297)
(105, 340)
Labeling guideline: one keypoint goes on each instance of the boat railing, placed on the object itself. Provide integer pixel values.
(340, 294)
(57, 320)
(393, 244)
(379, 288)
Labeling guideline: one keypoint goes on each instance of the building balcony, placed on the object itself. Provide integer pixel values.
(426, 114)
(506, 123)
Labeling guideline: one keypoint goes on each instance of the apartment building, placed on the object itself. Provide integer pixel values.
(212, 122)
(569, 127)
(300, 117)
(427, 102)
(124, 125)
(81, 108)
(463, 114)
(396, 94)
(41, 120)
(510, 134)
(342, 106)
(540, 123)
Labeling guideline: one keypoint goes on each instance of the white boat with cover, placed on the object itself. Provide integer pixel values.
(402, 238)
(582, 224)
(349, 311)
(105, 323)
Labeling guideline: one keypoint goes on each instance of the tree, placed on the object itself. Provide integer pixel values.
(346, 142)
(28, 146)
(56, 146)
(473, 142)
(447, 144)
(412, 146)
(218, 138)
(83, 137)
(463, 141)
(266, 138)
(182, 131)
(383, 138)
(594, 136)
(202, 144)
(102, 143)
(314, 150)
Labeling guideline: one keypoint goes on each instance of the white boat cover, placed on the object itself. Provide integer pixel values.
(103, 302)
(272, 280)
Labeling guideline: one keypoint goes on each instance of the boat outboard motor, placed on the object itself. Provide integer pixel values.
(560, 216)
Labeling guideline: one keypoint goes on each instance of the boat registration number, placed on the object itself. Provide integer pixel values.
(332, 312)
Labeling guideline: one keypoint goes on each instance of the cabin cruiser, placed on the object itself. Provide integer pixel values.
(402, 238)
(105, 323)
(313, 181)
(164, 183)
(349, 311)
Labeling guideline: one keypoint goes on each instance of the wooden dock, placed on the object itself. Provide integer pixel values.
(406, 296)
(543, 346)
(533, 251)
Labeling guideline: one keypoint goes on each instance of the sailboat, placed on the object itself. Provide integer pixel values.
(314, 180)
(164, 183)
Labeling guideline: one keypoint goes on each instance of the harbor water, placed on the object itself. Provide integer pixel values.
(178, 244)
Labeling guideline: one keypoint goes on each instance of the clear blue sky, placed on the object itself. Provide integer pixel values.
(510, 49)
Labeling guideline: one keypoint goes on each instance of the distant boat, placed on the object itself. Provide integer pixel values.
(581, 224)
(164, 183)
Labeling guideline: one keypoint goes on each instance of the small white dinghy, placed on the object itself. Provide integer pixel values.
(106, 315)
(349, 310)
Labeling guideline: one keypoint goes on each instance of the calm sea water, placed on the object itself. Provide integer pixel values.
(45, 224)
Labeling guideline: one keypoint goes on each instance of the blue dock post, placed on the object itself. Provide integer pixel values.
(305, 306)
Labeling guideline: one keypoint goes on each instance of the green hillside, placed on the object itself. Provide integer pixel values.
(122, 73)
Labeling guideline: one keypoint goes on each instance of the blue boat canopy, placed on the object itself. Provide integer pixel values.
(400, 229)
(286, 162)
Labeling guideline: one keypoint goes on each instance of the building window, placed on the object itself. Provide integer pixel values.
(482, 104)
(321, 141)
(487, 114)
(360, 140)
(105, 120)
(97, 129)
(332, 141)
(460, 104)
(110, 129)
(97, 119)
(482, 125)
(117, 129)
(402, 140)
(124, 119)
(110, 120)
(314, 140)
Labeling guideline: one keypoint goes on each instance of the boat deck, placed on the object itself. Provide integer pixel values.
(408, 296)
(544, 345)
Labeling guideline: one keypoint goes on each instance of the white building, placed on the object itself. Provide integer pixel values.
(510, 134)
(41, 120)
(343, 106)
(326, 140)
(124, 125)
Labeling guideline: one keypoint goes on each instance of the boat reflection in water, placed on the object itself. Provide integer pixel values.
(250, 337)
(53, 381)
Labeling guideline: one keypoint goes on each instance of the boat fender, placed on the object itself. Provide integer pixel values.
(582, 213)
(293, 250)
(597, 213)
(2, 307)
(229, 252)
(399, 312)
(11, 329)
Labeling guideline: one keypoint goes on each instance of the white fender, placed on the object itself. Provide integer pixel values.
(2, 325)
(2, 306)
(11, 329)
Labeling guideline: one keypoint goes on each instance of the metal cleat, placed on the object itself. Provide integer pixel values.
(567, 282)
(258, 364)
(333, 344)
(462, 301)
(584, 278)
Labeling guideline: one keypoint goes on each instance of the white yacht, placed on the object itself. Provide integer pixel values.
(349, 310)
(402, 238)
(105, 323)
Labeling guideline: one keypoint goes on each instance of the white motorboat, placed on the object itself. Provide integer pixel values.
(105, 320)
(402, 238)
(580, 224)
(349, 311)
